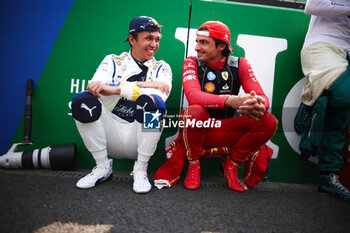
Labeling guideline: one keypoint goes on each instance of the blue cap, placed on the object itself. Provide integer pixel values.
(143, 23)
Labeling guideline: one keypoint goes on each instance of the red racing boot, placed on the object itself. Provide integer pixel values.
(192, 180)
(228, 170)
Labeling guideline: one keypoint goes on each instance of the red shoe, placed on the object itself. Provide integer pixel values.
(228, 170)
(192, 180)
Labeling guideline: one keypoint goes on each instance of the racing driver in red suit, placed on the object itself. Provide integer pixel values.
(211, 83)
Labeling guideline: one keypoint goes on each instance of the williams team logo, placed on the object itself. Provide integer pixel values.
(151, 120)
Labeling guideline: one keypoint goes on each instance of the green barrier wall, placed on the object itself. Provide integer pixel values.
(270, 38)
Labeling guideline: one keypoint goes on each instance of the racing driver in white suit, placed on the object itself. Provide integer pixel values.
(109, 117)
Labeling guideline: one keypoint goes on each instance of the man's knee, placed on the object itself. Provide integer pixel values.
(269, 122)
(149, 103)
(86, 107)
(197, 112)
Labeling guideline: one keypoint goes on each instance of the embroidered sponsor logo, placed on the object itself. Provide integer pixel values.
(84, 106)
(119, 58)
(189, 77)
(211, 76)
(214, 150)
(226, 87)
(166, 69)
(189, 65)
(224, 75)
(139, 107)
(252, 76)
(189, 72)
(209, 87)
(124, 111)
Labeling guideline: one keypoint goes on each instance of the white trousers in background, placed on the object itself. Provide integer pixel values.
(322, 64)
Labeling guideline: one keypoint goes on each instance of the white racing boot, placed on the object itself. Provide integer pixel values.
(141, 182)
(99, 173)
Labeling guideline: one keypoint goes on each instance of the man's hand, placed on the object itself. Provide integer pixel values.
(97, 89)
(250, 105)
(162, 86)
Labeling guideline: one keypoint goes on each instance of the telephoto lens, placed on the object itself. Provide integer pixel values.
(56, 157)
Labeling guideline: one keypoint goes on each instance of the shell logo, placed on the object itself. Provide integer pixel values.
(209, 87)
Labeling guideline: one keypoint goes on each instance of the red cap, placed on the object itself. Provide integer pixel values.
(217, 30)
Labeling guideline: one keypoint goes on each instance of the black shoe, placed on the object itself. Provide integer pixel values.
(331, 184)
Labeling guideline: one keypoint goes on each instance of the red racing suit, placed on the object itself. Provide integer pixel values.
(243, 135)
(241, 138)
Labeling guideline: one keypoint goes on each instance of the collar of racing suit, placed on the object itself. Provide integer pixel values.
(147, 63)
(132, 68)
(218, 65)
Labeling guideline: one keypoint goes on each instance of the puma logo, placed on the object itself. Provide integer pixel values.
(138, 107)
(84, 106)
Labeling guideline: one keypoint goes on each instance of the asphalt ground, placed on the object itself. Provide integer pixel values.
(47, 201)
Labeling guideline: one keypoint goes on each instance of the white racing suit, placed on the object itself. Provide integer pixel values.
(111, 134)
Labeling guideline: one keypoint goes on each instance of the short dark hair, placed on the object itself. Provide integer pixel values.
(226, 50)
(134, 35)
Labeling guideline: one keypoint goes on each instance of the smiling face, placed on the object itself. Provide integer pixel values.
(206, 49)
(145, 46)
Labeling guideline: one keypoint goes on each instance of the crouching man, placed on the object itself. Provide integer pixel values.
(109, 117)
(211, 83)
